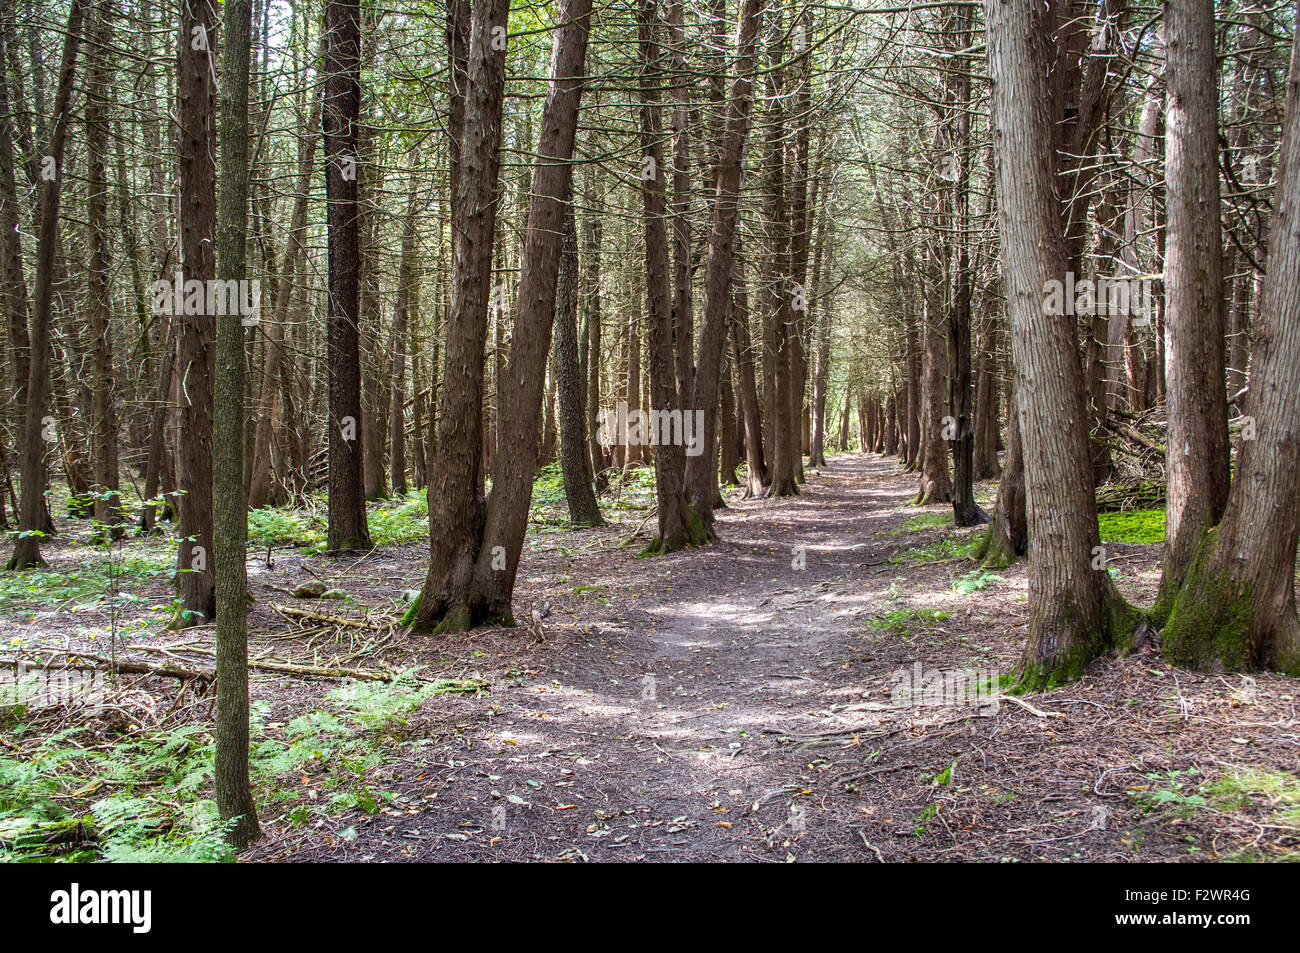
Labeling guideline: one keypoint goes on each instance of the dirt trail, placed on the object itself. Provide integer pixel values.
(731, 703)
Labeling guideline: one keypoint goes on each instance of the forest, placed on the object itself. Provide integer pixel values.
(649, 430)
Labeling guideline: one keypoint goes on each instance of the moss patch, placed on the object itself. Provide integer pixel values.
(1136, 526)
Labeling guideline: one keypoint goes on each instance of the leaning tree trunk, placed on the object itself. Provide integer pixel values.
(1197, 459)
(1074, 611)
(701, 474)
(1236, 608)
(486, 563)
(455, 492)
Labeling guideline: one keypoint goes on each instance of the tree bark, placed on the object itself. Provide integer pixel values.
(230, 510)
(1196, 462)
(575, 463)
(340, 113)
(1236, 608)
(1074, 611)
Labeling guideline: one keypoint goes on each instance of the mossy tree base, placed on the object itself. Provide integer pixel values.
(1217, 621)
(693, 532)
(1115, 634)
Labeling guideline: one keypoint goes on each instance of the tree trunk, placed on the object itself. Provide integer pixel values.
(348, 530)
(1074, 611)
(108, 503)
(701, 475)
(575, 462)
(678, 525)
(742, 354)
(397, 376)
(196, 353)
(1197, 458)
(472, 576)
(1236, 608)
(32, 513)
(230, 510)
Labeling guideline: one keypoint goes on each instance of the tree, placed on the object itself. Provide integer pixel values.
(701, 473)
(1236, 606)
(108, 503)
(678, 524)
(196, 349)
(575, 461)
(1074, 611)
(230, 511)
(32, 513)
(1196, 463)
(348, 530)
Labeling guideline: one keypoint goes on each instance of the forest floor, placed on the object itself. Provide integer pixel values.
(740, 701)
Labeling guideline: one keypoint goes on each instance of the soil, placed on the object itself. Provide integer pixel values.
(735, 702)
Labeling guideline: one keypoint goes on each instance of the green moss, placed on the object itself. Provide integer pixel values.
(1210, 616)
(408, 617)
(1135, 526)
(1115, 631)
(994, 550)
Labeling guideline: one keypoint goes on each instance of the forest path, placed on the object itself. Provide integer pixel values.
(668, 730)
(722, 704)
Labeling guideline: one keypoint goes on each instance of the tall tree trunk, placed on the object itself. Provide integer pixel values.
(397, 376)
(966, 512)
(230, 510)
(196, 353)
(348, 530)
(701, 474)
(1236, 608)
(108, 503)
(11, 250)
(1196, 464)
(471, 581)
(678, 525)
(593, 319)
(32, 514)
(575, 463)
(1074, 611)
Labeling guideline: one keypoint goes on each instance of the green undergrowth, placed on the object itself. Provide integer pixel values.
(908, 621)
(948, 549)
(147, 794)
(1135, 526)
(89, 580)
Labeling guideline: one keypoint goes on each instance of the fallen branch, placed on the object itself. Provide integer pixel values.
(291, 612)
(289, 668)
(1029, 708)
